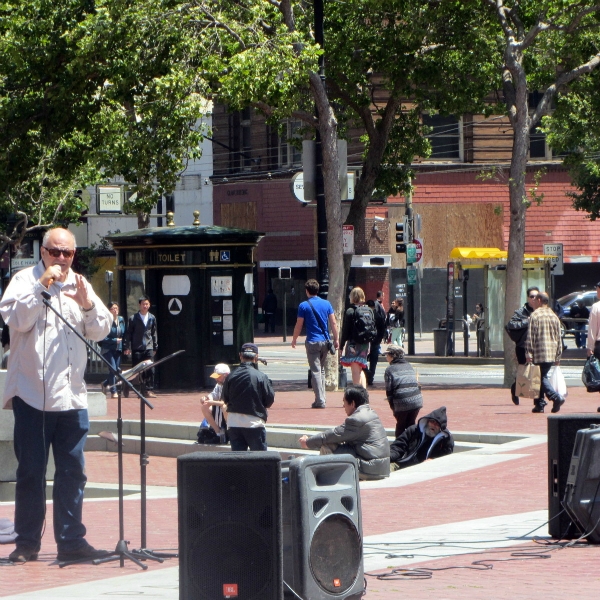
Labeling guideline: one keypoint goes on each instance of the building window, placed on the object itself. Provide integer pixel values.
(240, 140)
(537, 144)
(290, 145)
(444, 136)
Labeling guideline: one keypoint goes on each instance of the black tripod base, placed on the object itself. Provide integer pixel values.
(151, 555)
(121, 553)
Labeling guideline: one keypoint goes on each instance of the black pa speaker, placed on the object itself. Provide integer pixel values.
(582, 497)
(562, 430)
(322, 529)
(230, 538)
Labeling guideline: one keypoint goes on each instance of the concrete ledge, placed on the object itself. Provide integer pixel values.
(97, 407)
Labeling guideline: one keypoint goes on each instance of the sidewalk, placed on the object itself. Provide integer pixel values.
(440, 514)
(424, 349)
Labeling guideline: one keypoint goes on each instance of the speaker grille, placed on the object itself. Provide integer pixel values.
(229, 527)
(319, 504)
(335, 554)
(238, 555)
(348, 503)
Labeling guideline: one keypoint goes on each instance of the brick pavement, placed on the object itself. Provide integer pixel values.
(507, 488)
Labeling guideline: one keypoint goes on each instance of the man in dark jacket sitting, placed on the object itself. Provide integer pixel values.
(428, 439)
(362, 435)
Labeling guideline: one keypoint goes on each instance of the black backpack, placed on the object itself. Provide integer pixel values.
(365, 329)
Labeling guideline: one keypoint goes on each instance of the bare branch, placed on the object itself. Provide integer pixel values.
(220, 25)
(562, 80)
(502, 13)
(285, 7)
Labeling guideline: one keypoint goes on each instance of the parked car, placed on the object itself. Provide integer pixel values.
(588, 298)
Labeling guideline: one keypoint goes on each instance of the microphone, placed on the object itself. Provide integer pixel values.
(263, 361)
(46, 295)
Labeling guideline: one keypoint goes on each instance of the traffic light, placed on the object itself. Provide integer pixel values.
(402, 235)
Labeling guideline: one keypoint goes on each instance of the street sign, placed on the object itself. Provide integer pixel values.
(556, 263)
(348, 238)
(411, 274)
(411, 253)
(419, 245)
(297, 186)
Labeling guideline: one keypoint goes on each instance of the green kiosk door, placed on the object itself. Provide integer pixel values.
(180, 317)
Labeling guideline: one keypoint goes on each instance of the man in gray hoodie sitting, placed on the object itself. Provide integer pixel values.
(362, 435)
(428, 438)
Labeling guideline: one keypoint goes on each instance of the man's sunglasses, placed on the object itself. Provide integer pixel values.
(56, 252)
(533, 295)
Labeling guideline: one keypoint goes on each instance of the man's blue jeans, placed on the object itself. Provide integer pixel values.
(66, 431)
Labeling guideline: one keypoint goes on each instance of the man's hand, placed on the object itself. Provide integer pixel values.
(294, 343)
(81, 293)
(529, 359)
(51, 274)
(589, 352)
(127, 352)
(302, 441)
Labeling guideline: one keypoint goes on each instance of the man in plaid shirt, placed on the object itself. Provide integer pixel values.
(544, 348)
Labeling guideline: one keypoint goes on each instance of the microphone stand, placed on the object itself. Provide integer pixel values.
(121, 551)
(143, 551)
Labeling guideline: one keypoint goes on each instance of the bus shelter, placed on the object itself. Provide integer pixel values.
(536, 272)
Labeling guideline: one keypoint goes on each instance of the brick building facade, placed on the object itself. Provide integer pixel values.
(254, 164)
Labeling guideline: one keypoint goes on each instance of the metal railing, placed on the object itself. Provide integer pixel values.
(95, 364)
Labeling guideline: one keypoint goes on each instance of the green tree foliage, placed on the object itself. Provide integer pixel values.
(541, 46)
(574, 130)
(91, 90)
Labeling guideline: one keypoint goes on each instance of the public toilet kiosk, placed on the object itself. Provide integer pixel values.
(200, 283)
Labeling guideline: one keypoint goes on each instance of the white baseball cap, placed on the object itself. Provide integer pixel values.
(220, 369)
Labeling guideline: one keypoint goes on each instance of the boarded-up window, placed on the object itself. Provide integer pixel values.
(241, 215)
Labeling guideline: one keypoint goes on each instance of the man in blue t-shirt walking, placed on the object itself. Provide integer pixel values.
(321, 326)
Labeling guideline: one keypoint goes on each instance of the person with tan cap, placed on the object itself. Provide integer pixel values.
(213, 408)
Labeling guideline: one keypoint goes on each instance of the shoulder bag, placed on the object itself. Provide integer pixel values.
(330, 345)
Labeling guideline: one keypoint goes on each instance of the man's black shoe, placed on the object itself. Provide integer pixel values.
(315, 405)
(86, 552)
(514, 398)
(22, 554)
(556, 404)
(537, 409)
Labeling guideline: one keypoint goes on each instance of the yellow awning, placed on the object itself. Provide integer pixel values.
(491, 256)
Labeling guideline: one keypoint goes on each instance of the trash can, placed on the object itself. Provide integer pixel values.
(439, 341)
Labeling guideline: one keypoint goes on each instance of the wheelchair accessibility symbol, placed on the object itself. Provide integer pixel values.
(225, 255)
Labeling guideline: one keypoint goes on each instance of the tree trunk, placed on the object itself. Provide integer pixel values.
(143, 220)
(328, 130)
(516, 236)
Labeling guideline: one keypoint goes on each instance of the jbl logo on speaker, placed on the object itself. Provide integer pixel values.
(230, 590)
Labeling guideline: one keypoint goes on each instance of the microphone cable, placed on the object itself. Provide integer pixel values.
(43, 482)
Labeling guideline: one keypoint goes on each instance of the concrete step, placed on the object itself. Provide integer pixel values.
(173, 439)
(172, 448)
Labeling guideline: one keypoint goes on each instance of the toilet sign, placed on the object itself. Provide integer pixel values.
(175, 306)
